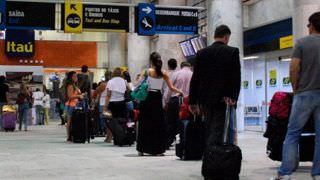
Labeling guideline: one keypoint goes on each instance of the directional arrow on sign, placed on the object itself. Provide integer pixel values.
(73, 6)
(147, 10)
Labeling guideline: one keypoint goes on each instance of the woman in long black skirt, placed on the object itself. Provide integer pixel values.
(152, 127)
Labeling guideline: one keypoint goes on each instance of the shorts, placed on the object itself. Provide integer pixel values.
(68, 110)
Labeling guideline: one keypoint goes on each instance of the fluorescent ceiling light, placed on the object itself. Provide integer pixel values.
(286, 59)
(250, 57)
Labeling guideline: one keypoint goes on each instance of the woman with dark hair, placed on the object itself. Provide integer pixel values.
(152, 127)
(24, 104)
(73, 94)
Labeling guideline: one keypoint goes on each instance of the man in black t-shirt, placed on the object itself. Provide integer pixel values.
(4, 90)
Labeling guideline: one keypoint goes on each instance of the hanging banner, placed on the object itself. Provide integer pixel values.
(73, 16)
(30, 15)
(2, 15)
(176, 21)
(106, 18)
(19, 43)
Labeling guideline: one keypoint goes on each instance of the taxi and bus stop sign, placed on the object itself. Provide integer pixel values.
(146, 19)
(73, 16)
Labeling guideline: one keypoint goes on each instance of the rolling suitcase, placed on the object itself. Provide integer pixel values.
(222, 162)
(192, 139)
(79, 123)
(9, 118)
(123, 132)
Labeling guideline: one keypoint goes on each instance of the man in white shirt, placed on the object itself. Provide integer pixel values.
(37, 97)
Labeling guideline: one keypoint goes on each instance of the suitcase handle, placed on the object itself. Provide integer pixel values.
(228, 118)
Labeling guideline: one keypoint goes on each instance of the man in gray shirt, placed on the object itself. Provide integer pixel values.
(305, 78)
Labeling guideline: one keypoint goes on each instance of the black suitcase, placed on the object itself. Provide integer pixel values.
(192, 139)
(78, 129)
(80, 123)
(276, 132)
(123, 133)
(222, 162)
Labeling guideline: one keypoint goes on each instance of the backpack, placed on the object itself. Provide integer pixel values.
(280, 106)
(184, 113)
(63, 94)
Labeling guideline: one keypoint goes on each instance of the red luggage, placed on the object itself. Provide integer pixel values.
(185, 113)
(280, 105)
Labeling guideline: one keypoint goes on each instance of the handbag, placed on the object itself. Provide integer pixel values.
(141, 92)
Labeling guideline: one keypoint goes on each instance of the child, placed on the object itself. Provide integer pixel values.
(46, 105)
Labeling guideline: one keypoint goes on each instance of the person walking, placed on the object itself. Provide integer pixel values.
(46, 105)
(305, 78)
(152, 137)
(37, 97)
(181, 79)
(215, 83)
(4, 93)
(73, 94)
(24, 104)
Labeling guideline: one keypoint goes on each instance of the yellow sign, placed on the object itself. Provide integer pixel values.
(286, 42)
(73, 16)
(273, 74)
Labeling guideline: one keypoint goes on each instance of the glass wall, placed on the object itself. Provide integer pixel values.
(261, 79)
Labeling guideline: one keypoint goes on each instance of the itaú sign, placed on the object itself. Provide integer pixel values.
(19, 43)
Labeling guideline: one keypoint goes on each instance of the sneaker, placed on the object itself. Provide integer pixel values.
(316, 177)
(286, 177)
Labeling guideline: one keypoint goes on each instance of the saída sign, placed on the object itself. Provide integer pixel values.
(19, 43)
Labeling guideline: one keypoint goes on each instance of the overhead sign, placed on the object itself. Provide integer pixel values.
(176, 21)
(30, 15)
(19, 43)
(106, 18)
(286, 42)
(146, 19)
(2, 15)
(73, 16)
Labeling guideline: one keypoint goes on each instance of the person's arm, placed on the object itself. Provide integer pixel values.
(235, 79)
(109, 93)
(295, 66)
(170, 85)
(294, 73)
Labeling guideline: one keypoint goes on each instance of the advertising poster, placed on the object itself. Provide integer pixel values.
(2, 15)
(273, 78)
(19, 43)
(286, 81)
(259, 83)
(73, 16)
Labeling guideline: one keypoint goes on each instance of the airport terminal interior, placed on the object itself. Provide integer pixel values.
(42, 40)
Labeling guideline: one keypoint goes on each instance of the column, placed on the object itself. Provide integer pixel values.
(117, 50)
(303, 9)
(228, 12)
(138, 47)
(168, 45)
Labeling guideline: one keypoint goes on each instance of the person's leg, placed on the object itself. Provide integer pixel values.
(300, 113)
(173, 116)
(1, 126)
(46, 115)
(68, 125)
(20, 115)
(215, 120)
(102, 120)
(316, 158)
(25, 117)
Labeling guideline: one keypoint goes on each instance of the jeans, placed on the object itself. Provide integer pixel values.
(23, 115)
(39, 115)
(172, 119)
(305, 105)
(1, 105)
(102, 120)
(46, 115)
